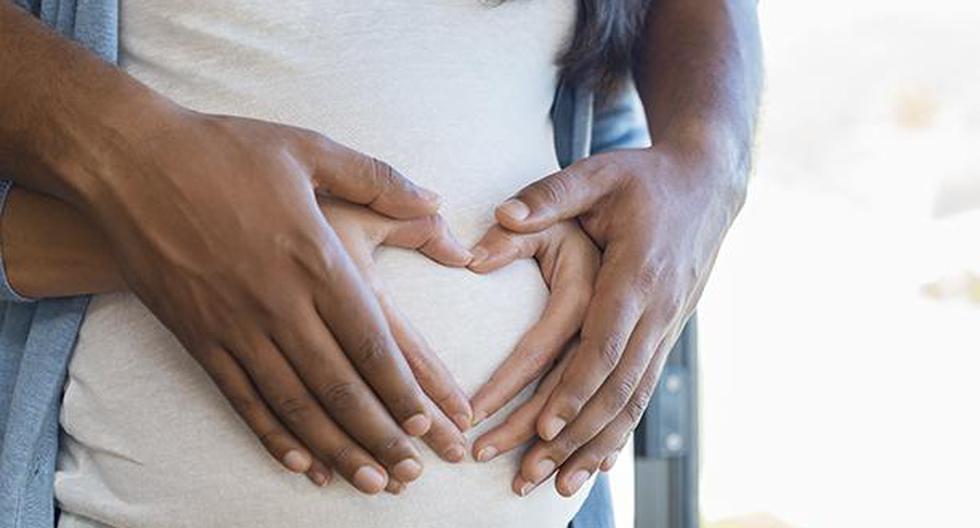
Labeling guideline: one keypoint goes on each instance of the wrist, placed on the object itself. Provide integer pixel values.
(716, 158)
(106, 152)
(68, 116)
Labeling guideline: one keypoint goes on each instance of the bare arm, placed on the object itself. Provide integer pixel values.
(51, 250)
(660, 215)
(68, 117)
(699, 75)
(213, 222)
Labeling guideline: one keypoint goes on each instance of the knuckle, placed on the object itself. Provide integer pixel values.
(294, 409)
(610, 349)
(565, 445)
(390, 445)
(340, 396)
(442, 396)
(612, 171)
(371, 349)
(538, 360)
(381, 172)
(245, 406)
(617, 397)
(437, 223)
(550, 190)
(644, 393)
(569, 401)
(591, 460)
(320, 261)
(430, 229)
(406, 403)
(646, 278)
(342, 454)
(575, 399)
(272, 438)
(312, 137)
(589, 457)
(517, 425)
(635, 408)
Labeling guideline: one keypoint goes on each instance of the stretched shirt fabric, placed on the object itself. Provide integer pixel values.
(37, 337)
(454, 94)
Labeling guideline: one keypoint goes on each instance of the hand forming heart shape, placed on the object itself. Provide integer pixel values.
(568, 260)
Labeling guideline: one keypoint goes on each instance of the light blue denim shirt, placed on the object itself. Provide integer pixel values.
(37, 337)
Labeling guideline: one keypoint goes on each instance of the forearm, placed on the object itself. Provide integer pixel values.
(69, 120)
(699, 73)
(51, 250)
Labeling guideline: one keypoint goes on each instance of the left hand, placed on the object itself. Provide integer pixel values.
(569, 261)
(659, 216)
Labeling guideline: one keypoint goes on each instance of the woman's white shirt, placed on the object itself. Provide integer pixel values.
(456, 95)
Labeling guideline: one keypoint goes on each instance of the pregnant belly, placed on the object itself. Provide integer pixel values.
(151, 442)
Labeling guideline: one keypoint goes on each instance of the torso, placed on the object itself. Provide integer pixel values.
(453, 93)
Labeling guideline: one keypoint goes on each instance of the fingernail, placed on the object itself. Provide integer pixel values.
(369, 479)
(515, 209)
(454, 453)
(428, 195)
(524, 487)
(486, 454)
(577, 479)
(462, 421)
(407, 470)
(479, 255)
(417, 425)
(395, 487)
(610, 461)
(296, 461)
(318, 478)
(479, 417)
(552, 426)
(543, 469)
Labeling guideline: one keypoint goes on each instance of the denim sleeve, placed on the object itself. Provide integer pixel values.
(619, 123)
(7, 292)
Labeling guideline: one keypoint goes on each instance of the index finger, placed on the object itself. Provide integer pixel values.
(569, 269)
(518, 427)
(431, 374)
(612, 315)
(430, 236)
(352, 313)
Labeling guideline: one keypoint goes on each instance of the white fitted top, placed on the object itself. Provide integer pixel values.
(456, 95)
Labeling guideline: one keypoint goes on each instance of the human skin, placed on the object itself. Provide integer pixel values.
(51, 250)
(195, 209)
(659, 215)
(700, 72)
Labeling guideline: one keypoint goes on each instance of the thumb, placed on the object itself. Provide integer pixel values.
(559, 196)
(499, 247)
(358, 178)
(430, 236)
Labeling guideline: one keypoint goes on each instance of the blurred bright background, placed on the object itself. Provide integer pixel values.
(840, 333)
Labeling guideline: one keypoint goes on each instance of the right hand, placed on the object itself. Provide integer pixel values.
(362, 231)
(215, 226)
